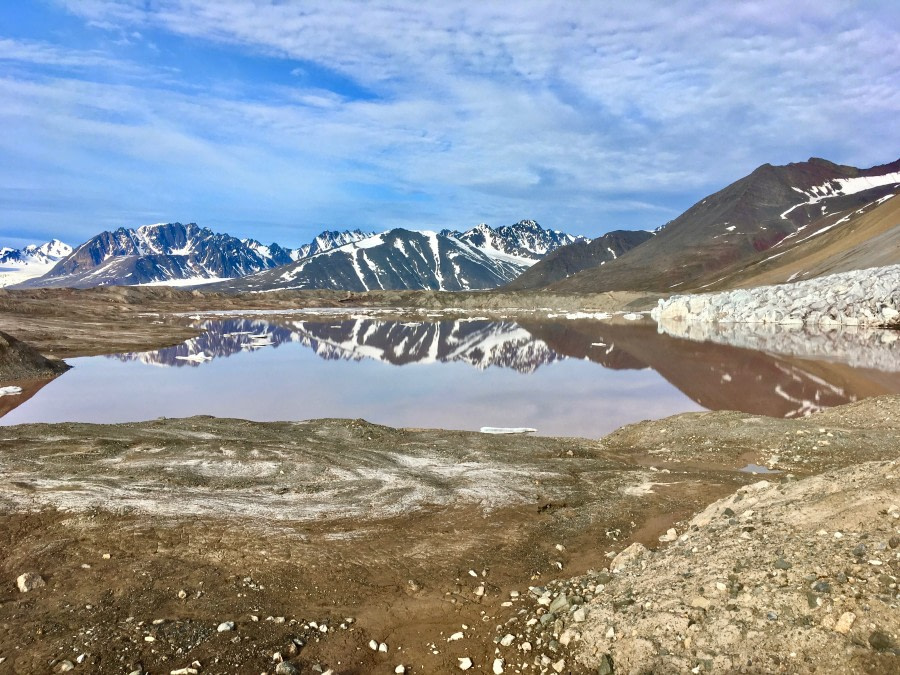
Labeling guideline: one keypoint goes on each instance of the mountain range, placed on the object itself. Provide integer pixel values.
(777, 224)
(177, 254)
(478, 259)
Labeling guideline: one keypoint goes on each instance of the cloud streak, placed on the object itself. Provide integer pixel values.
(586, 116)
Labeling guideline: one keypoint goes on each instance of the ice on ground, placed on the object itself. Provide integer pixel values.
(508, 430)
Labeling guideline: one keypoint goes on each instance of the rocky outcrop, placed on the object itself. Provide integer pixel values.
(868, 297)
(19, 361)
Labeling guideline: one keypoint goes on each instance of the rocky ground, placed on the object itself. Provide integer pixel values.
(144, 539)
(225, 546)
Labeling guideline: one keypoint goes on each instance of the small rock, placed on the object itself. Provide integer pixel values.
(465, 663)
(525, 646)
(383, 648)
(507, 640)
(30, 582)
(65, 666)
(560, 602)
(844, 624)
(182, 594)
(670, 535)
(880, 641)
(400, 669)
(373, 645)
(226, 626)
(184, 671)
(627, 557)
(479, 591)
(782, 564)
(559, 666)
(700, 603)
(456, 636)
(497, 668)
(286, 668)
(605, 666)
(579, 615)
(894, 542)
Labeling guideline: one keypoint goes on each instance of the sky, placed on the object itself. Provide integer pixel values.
(279, 119)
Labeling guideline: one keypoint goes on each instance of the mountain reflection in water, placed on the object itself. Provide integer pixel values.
(475, 372)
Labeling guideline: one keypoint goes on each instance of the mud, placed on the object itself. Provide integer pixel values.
(334, 519)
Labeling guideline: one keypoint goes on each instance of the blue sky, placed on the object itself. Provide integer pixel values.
(276, 120)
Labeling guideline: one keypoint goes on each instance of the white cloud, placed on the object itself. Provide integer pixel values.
(491, 110)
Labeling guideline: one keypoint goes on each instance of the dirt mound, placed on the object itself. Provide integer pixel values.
(19, 361)
(796, 576)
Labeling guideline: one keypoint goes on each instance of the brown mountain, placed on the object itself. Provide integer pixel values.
(739, 226)
(577, 256)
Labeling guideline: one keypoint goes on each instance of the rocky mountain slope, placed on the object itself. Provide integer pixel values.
(481, 258)
(18, 265)
(165, 252)
(577, 256)
(526, 240)
(772, 210)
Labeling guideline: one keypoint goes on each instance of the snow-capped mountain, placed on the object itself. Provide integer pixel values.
(730, 237)
(172, 254)
(477, 342)
(479, 259)
(18, 265)
(525, 241)
(328, 240)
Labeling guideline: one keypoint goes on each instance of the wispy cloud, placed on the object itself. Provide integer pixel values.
(587, 116)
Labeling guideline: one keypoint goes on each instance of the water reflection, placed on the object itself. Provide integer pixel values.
(472, 373)
(478, 342)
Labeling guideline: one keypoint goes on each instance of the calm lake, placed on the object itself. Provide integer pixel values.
(569, 378)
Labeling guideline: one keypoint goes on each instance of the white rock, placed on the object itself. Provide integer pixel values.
(400, 669)
(456, 636)
(497, 668)
(465, 663)
(507, 640)
(30, 581)
(226, 626)
(383, 648)
(373, 645)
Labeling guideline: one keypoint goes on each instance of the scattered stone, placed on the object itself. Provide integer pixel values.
(844, 623)
(286, 668)
(465, 663)
(456, 636)
(30, 581)
(373, 645)
(184, 671)
(605, 666)
(400, 669)
(497, 668)
(701, 603)
(670, 535)
(782, 564)
(880, 641)
(507, 640)
(627, 558)
(383, 648)
(182, 594)
(226, 626)
(559, 666)
(65, 666)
